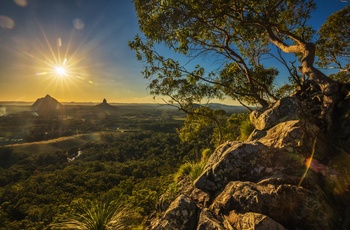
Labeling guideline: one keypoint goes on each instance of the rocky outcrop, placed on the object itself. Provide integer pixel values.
(282, 177)
(283, 110)
(181, 214)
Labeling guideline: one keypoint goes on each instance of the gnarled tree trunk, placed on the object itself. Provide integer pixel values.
(333, 91)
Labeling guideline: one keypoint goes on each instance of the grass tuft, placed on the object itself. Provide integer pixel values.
(96, 216)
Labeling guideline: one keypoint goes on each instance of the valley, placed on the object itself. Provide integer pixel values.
(55, 163)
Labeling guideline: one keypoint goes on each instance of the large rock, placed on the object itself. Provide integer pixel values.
(182, 214)
(281, 178)
(285, 109)
(343, 125)
(279, 154)
(251, 220)
(277, 202)
(207, 220)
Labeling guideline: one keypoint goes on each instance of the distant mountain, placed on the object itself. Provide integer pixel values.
(47, 104)
(234, 108)
(227, 108)
(104, 105)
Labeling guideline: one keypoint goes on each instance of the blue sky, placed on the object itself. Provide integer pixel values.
(89, 38)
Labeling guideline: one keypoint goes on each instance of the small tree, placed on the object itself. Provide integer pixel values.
(204, 126)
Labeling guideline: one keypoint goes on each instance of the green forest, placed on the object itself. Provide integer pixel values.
(41, 189)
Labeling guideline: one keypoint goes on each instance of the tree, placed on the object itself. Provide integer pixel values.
(196, 30)
(205, 127)
(240, 32)
(208, 132)
(333, 44)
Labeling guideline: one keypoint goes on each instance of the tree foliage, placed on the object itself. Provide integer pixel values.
(206, 133)
(205, 126)
(198, 30)
(333, 44)
(237, 34)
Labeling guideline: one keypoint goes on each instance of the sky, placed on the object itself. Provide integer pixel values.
(77, 50)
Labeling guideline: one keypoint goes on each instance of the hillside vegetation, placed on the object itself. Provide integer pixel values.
(47, 182)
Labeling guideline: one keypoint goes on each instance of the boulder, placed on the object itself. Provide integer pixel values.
(276, 202)
(343, 125)
(207, 220)
(285, 176)
(182, 214)
(285, 109)
(251, 220)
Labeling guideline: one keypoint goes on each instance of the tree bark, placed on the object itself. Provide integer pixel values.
(331, 89)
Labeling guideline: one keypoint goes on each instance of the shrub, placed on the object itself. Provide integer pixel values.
(193, 169)
(196, 170)
(206, 154)
(184, 170)
(95, 216)
(246, 128)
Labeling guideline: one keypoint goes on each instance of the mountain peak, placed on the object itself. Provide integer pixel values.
(104, 105)
(46, 104)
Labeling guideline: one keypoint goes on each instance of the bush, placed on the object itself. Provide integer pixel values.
(184, 170)
(246, 128)
(193, 169)
(206, 154)
(196, 170)
(96, 215)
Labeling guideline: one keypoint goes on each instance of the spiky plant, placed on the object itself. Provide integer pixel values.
(197, 169)
(96, 216)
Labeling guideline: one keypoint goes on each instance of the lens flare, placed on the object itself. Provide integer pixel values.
(78, 24)
(6, 22)
(61, 62)
(308, 163)
(21, 3)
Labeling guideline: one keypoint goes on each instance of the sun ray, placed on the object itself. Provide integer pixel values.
(61, 64)
(48, 45)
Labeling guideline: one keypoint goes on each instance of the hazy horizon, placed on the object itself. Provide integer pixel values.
(111, 102)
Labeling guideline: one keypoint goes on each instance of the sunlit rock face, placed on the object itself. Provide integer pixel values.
(285, 176)
(180, 215)
(284, 110)
(46, 104)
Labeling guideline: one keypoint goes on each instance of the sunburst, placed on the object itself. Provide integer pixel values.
(60, 66)
(60, 71)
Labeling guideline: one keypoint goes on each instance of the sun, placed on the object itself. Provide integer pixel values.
(59, 65)
(60, 71)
